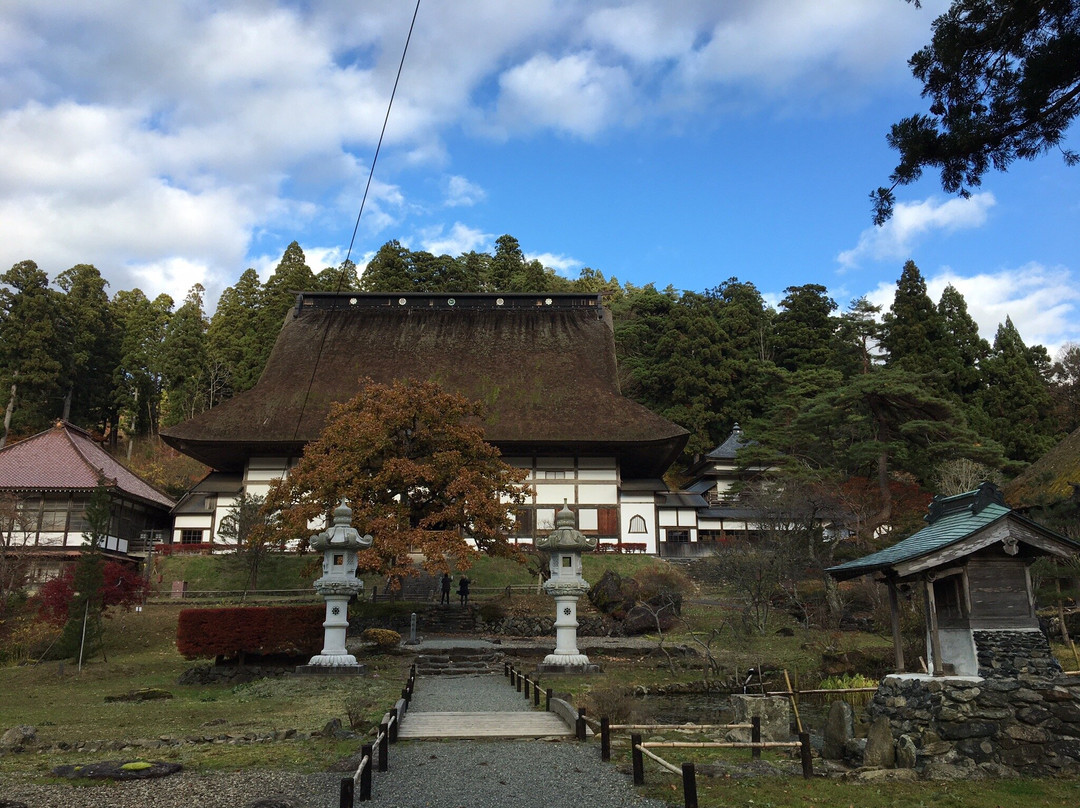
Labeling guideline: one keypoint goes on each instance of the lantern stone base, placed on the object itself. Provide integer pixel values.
(331, 670)
(567, 663)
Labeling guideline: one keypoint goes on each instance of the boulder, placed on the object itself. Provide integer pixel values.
(907, 753)
(839, 729)
(613, 595)
(18, 738)
(880, 748)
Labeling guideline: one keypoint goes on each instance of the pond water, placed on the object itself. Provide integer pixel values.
(715, 708)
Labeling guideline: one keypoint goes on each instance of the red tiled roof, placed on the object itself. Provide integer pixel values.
(65, 458)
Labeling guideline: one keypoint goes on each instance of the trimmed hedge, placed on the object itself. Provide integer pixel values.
(231, 631)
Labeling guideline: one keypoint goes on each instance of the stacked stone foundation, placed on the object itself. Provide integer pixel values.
(1021, 718)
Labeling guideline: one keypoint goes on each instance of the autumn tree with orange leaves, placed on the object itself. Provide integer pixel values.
(411, 461)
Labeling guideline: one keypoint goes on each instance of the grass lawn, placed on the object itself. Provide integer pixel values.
(68, 706)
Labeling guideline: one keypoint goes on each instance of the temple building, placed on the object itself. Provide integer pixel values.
(542, 364)
(46, 482)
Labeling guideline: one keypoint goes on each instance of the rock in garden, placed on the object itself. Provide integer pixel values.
(880, 748)
(839, 729)
(16, 738)
(906, 752)
(144, 694)
(118, 770)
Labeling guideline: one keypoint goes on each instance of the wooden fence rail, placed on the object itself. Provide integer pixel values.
(358, 786)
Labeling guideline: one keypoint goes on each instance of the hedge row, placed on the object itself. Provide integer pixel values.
(231, 631)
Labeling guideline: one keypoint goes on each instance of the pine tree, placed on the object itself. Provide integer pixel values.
(913, 329)
(233, 334)
(138, 383)
(963, 349)
(1015, 398)
(184, 359)
(93, 339)
(804, 328)
(32, 350)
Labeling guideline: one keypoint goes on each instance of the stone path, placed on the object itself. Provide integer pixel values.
(496, 773)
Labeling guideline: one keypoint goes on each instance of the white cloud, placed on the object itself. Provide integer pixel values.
(459, 192)
(141, 136)
(574, 94)
(913, 221)
(562, 264)
(460, 239)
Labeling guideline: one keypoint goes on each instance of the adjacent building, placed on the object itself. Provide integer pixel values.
(45, 485)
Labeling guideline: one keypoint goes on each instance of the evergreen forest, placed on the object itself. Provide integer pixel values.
(843, 398)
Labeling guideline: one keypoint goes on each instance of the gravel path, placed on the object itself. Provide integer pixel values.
(423, 774)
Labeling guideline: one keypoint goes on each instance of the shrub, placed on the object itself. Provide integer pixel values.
(492, 611)
(382, 637)
(235, 631)
(615, 702)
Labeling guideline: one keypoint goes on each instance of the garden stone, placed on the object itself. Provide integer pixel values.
(906, 752)
(839, 729)
(774, 712)
(880, 748)
(16, 738)
(118, 770)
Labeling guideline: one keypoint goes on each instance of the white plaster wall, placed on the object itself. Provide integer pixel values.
(628, 509)
(957, 648)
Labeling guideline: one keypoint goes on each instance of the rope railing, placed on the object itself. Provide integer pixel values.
(358, 786)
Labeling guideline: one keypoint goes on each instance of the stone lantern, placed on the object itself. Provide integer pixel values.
(566, 585)
(339, 544)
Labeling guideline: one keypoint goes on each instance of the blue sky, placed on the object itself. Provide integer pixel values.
(677, 143)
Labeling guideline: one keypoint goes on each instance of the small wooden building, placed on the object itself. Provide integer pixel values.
(971, 562)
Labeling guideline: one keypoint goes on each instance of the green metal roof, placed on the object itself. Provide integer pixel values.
(947, 530)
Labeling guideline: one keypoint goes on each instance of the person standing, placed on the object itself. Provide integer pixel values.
(446, 580)
(463, 590)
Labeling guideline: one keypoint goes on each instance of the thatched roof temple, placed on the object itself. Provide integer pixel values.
(544, 365)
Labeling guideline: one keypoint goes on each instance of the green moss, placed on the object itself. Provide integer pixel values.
(136, 766)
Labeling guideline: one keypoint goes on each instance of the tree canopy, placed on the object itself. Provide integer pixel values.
(411, 461)
(1003, 79)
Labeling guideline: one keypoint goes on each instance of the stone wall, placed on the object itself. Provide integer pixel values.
(1011, 653)
(1028, 724)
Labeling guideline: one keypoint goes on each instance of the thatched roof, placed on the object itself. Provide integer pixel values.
(1049, 479)
(544, 365)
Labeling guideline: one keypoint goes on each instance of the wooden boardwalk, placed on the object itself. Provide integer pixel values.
(528, 724)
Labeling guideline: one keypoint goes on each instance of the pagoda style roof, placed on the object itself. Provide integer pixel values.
(958, 526)
(730, 447)
(1051, 478)
(543, 365)
(66, 458)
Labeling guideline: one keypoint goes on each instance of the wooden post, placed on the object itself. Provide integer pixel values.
(527, 684)
(581, 724)
(517, 684)
(549, 693)
(605, 739)
(894, 621)
(384, 747)
(345, 795)
(536, 693)
(804, 753)
(755, 736)
(638, 758)
(932, 627)
(689, 786)
(506, 669)
(405, 696)
(394, 720)
(365, 773)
